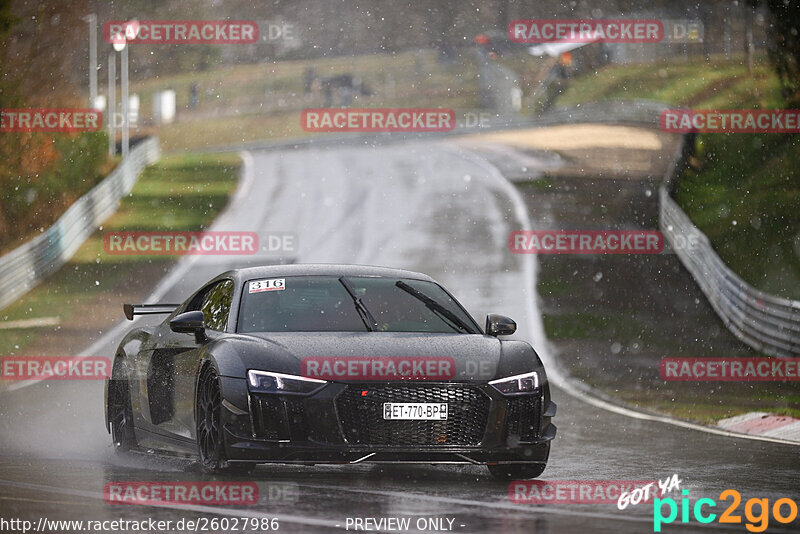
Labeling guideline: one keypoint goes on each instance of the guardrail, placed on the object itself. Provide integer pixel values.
(767, 323)
(24, 267)
(633, 111)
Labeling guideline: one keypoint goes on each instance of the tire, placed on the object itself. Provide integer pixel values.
(120, 413)
(516, 471)
(210, 436)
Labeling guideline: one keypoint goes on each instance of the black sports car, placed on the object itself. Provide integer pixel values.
(329, 364)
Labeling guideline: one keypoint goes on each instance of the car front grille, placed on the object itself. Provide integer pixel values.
(361, 415)
(523, 418)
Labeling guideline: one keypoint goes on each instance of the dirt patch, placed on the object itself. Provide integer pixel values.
(579, 136)
(588, 150)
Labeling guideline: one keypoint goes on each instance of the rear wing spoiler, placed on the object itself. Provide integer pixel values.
(147, 309)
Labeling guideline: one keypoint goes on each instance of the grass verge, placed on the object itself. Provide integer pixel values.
(179, 193)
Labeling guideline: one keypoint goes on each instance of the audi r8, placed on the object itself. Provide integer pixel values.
(329, 364)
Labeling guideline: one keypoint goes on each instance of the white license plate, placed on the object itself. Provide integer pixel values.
(415, 411)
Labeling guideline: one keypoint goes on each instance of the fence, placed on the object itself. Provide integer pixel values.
(633, 111)
(765, 322)
(24, 267)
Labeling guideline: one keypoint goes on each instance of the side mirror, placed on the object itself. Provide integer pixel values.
(500, 325)
(191, 322)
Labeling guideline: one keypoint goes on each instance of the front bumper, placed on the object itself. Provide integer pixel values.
(341, 423)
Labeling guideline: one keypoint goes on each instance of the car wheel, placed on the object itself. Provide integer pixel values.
(516, 471)
(209, 427)
(119, 408)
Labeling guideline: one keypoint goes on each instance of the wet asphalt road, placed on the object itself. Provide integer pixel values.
(430, 207)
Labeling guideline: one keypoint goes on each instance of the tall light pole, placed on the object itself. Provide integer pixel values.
(131, 32)
(119, 45)
(111, 107)
(92, 20)
(125, 104)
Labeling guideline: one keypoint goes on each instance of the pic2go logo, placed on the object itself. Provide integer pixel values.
(642, 494)
(757, 523)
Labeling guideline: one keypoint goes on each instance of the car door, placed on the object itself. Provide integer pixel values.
(215, 305)
(154, 379)
(174, 365)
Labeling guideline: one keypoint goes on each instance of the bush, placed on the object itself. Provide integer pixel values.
(42, 175)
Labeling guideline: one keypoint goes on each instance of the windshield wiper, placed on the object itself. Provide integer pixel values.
(366, 316)
(435, 307)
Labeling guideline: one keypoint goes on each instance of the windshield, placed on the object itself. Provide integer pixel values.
(323, 304)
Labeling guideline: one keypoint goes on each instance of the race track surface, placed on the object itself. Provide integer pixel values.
(426, 206)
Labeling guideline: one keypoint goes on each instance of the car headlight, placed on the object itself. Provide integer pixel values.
(264, 382)
(518, 384)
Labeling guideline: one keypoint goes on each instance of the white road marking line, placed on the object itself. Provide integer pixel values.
(583, 393)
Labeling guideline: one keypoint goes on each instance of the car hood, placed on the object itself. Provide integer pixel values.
(423, 356)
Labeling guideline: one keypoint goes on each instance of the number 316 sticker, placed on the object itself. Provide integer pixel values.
(275, 284)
